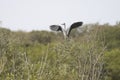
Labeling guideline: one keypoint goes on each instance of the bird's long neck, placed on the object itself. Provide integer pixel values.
(64, 30)
(64, 26)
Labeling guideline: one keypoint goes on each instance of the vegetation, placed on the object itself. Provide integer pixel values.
(93, 54)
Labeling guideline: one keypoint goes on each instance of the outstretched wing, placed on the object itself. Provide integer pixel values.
(73, 26)
(56, 28)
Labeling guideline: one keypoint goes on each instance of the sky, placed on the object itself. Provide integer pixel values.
(30, 15)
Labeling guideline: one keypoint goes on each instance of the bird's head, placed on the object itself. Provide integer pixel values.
(63, 24)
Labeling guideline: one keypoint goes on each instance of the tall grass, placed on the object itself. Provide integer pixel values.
(67, 60)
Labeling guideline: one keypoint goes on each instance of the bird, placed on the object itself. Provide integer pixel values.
(66, 32)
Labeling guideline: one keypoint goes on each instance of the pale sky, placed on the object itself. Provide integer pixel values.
(30, 15)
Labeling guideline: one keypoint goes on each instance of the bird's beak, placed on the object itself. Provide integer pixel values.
(63, 24)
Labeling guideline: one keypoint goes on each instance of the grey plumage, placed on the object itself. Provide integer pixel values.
(73, 26)
(63, 30)
(56, 28)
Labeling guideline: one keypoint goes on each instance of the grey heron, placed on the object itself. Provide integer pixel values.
(66, 32)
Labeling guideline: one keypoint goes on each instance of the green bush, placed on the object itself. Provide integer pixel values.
(113, 64)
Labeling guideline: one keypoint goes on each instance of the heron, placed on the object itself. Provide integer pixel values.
(66, 32)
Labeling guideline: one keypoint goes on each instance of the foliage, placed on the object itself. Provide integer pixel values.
(113, 64)
(41, 55)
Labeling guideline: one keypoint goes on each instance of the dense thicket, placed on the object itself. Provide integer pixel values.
(91, 53)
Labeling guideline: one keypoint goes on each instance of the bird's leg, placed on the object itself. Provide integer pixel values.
(64, 34)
